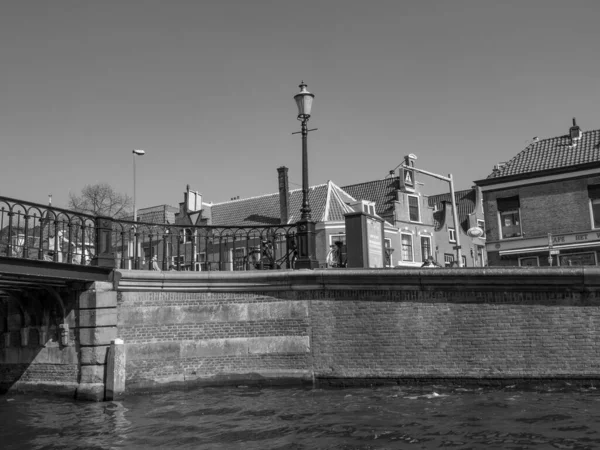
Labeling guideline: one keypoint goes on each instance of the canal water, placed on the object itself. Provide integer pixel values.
(424, 417)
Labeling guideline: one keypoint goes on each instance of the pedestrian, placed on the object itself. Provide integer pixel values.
(154, 264)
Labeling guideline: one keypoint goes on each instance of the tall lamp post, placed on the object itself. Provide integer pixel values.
(450, 181)
(306, 227)
(134, 153)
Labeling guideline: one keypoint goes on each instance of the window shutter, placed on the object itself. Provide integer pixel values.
(508, 203)
(594, 191)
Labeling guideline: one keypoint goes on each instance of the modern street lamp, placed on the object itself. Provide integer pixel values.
(450, 181)
(306, 227)
(134, 153)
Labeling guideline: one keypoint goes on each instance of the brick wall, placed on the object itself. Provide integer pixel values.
(361, 325)
(554, 207)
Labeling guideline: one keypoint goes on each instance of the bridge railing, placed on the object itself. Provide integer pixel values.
(152, 246)
(35, 231)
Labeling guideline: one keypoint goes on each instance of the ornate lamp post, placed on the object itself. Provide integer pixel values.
(306, 227)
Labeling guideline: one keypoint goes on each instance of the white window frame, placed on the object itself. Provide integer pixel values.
(529, 257)
(337, 236)
(451, 232)
(511, 211)
(387, 243)
(482, 226)
(418, 209)
(448, 259)
(430, 246)
(412, 247)
(464, 261)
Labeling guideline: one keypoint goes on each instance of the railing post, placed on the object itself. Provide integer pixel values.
(105, 256)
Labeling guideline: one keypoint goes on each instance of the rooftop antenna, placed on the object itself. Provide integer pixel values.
(49, 199)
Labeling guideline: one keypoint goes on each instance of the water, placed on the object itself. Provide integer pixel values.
(299, 418)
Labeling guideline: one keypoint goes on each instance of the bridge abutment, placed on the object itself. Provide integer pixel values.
(97, 327)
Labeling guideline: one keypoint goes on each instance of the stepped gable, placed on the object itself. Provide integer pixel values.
(553, 153)
(465, 205)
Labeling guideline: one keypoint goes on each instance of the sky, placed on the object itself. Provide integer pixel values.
(206, 89)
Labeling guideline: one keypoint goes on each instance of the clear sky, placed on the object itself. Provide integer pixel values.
(206, 88)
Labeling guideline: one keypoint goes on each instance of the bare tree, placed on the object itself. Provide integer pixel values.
(101, 200)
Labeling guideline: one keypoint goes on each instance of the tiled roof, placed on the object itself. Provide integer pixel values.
(382, 192)
(156, 214)
(465, 205)
(327, 203)
(553, 153)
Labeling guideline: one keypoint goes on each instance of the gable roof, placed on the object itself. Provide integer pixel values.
(327, 202)
(465, 205)
(382, 192)
(553, 153)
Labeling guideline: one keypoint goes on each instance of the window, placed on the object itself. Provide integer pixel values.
(425, 247)
(413, 208)
(448, 259)
(510, 217)
(481, 224)
(529, 261)
(594, 195)
(451, 234)
(340, 256)
(187, 236)
(480, 257)
(578, 259)
(201, 262)
(464, 261)
(387, 243)
(407, 250)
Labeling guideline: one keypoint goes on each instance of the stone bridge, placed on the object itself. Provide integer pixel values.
(62, 326)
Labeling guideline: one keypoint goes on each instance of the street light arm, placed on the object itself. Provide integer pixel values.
(434, 175)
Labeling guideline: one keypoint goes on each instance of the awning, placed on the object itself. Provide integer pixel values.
(518, 251)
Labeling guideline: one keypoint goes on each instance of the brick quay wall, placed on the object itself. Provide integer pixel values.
(358, 326)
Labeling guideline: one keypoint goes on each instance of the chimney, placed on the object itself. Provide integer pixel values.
(575, 132)
(284, 194)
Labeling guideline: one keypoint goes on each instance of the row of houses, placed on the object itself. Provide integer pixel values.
(416, 226)
(540, 208)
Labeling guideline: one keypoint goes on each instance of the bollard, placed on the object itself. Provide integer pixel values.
(115, 370)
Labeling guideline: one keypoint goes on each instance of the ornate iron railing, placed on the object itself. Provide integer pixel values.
(35, 231)
(202, 248)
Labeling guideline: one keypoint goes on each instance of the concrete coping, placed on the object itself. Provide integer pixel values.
(507, 278)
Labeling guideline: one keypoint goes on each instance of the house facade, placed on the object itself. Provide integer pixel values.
(469, 207)
(542, 207)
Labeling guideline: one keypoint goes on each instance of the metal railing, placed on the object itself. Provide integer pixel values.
(35, 231)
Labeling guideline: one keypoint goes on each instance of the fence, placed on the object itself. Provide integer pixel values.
(35, 231)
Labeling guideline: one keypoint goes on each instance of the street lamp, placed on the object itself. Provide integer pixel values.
(134, 153)
(306, 227)
(450, 181)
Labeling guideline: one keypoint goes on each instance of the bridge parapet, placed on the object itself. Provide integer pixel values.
(46, 233)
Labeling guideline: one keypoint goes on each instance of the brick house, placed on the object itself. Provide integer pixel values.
(543, 206)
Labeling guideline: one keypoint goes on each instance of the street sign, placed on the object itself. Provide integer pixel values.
(554, 252)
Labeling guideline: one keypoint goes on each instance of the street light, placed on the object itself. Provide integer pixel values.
(450, 181)
(134, 153)
(306, 227)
